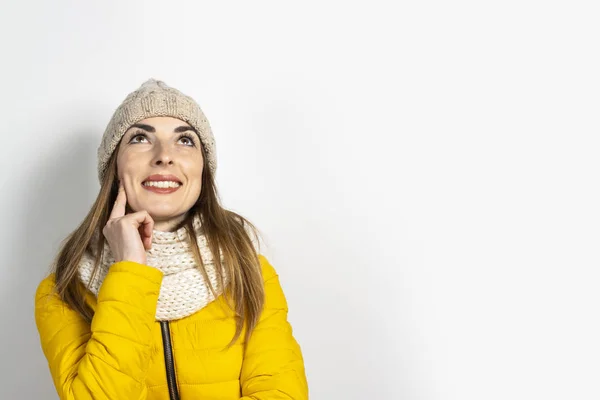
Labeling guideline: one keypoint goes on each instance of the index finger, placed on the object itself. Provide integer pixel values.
(118, 209)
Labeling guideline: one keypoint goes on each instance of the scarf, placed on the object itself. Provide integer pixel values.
(183, 290)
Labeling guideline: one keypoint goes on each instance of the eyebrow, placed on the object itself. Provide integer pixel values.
(150, 128)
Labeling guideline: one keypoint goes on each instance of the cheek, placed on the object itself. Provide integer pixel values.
(195, 181)
(193, 169)
(126, 166)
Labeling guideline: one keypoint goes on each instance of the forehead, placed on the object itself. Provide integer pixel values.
(163, 123)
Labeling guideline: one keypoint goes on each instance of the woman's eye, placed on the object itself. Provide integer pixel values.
(136, 136)
(189, 139)
(190, 143)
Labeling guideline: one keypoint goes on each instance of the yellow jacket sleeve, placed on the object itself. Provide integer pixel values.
(108, 358)
(273, 366)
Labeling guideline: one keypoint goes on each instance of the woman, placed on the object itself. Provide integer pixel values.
(138, 306)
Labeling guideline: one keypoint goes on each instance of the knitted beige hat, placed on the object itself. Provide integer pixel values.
(155, 99)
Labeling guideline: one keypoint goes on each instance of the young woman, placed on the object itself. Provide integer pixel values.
(161, 293)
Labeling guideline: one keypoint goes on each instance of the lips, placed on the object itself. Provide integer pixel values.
(159, 177)
(161, 190)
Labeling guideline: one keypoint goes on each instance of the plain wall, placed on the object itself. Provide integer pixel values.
(425, 173)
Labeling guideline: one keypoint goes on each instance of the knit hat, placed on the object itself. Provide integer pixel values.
(155, 99)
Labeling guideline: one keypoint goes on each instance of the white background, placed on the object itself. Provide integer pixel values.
(425, 173)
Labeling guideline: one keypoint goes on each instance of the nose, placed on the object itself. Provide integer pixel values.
(163, 156)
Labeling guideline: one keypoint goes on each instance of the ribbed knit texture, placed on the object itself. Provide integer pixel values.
(184, 289)
(155, 99)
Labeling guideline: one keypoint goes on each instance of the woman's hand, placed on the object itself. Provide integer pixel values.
(128, 236)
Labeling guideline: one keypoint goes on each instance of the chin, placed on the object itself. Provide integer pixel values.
(163, 216)
(158, 213)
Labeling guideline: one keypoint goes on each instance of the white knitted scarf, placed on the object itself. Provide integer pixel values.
(183, 290)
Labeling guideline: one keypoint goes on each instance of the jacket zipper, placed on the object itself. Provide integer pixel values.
(169, 362)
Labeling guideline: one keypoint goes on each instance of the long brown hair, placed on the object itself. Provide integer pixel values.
(224, 230)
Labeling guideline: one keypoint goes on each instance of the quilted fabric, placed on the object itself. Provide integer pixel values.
(120, 355)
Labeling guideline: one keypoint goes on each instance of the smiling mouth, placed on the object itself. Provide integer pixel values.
(161, 188)
(161, 184)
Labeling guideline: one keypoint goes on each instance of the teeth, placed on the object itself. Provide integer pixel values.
(162, 184)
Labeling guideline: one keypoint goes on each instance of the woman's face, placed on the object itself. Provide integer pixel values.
(161, 146)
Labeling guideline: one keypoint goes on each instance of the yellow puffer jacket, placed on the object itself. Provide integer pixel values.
(122, 356)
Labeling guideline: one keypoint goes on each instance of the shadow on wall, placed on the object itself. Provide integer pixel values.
(55, 200)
